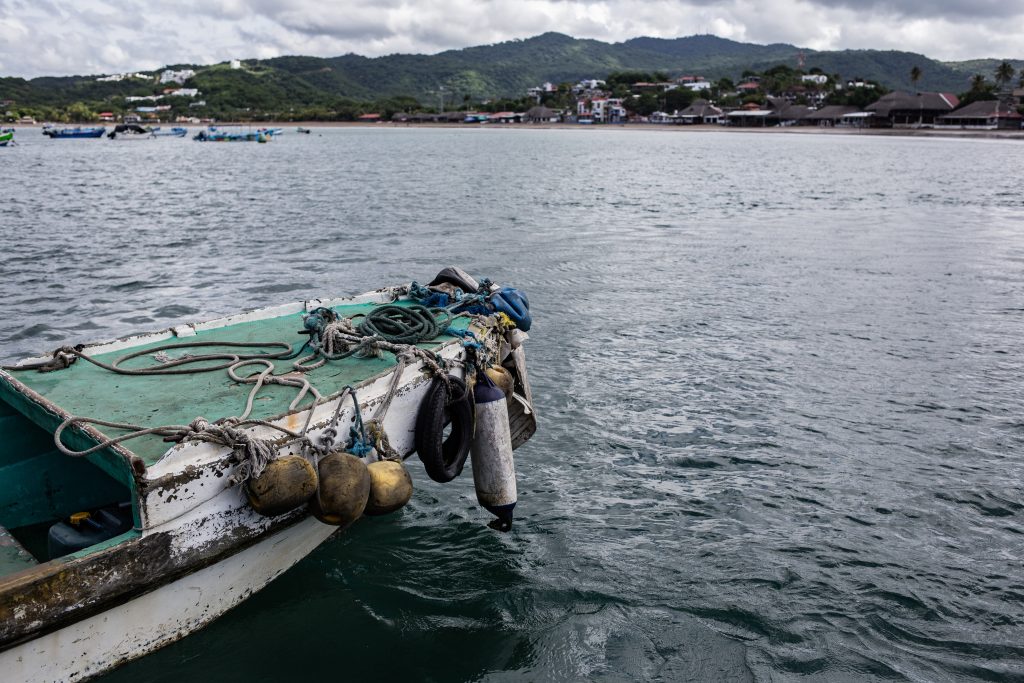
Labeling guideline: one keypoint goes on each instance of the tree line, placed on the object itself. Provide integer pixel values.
(260, 93)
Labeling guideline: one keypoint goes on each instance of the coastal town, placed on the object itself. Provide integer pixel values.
(780, 96)
(805, 104)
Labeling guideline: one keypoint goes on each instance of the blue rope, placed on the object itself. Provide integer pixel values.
(357, 432)
(419, 292)
(469, 339)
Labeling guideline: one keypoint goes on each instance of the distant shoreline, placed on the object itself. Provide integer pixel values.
(659, 127)
(662, 127)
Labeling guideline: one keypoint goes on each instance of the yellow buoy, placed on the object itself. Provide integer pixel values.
(285, 484)
(344, 489)
(503, 378)
(390, 487)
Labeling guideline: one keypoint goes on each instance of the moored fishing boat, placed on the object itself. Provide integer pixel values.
(6, 136)
(213, 134)
(300, 129)
(62, 133)
(176, 132)
(130, 131)
(118, 497)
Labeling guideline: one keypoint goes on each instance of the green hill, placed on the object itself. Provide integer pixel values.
(985, 67)
(305, 85)
(508, 69)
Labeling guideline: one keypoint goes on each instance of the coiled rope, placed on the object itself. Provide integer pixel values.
(404, 324)
(396, 329)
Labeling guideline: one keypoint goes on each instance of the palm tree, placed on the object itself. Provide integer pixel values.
(915, 75)
(1004, 73)
(977, 83)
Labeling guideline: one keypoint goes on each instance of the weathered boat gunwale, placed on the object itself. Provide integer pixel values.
(30, 403)
(145, 623)
(100, 571)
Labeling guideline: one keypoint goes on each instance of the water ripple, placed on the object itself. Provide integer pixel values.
(778, 381)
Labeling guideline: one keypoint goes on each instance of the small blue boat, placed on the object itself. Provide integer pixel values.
(176, 132)
(214, 134)
(74, 132)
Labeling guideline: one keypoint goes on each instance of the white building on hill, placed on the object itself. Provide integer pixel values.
(179, 77)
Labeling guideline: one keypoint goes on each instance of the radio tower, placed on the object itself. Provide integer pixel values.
(801, 59)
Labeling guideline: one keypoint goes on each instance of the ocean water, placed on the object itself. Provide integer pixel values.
(778, 380)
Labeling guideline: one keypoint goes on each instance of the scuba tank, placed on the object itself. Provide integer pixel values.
(494, 471)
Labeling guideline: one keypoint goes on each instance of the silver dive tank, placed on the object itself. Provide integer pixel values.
(494, 470)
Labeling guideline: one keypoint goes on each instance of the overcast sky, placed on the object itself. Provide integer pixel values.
(63, 37)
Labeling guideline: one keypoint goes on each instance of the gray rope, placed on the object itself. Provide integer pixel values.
(66, 355)
(251, 453)
(265, 377)
(330, 434)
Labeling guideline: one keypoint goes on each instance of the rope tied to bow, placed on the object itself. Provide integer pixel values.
(252, 454)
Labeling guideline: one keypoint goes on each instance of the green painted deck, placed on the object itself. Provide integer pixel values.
(86, 390)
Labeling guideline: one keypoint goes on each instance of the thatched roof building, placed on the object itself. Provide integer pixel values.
(541, 114)
(985, 114)
(903, 109)
(832, 115)
(699, 111)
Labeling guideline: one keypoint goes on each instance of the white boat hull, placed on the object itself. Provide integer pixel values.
(151, 621)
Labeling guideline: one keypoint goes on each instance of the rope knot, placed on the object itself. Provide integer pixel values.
(380, 442)
(251, 453)
(64, 357)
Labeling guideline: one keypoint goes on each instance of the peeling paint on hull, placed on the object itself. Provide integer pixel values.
(91, 647)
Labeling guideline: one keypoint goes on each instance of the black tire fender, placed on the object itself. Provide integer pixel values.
(443, 459)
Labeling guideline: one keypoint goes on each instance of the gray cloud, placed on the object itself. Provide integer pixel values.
(39, 37)
(960, 9)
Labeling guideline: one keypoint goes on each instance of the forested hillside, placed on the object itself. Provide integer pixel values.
(340, 87)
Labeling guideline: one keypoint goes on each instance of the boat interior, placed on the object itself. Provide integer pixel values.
(50, 504)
